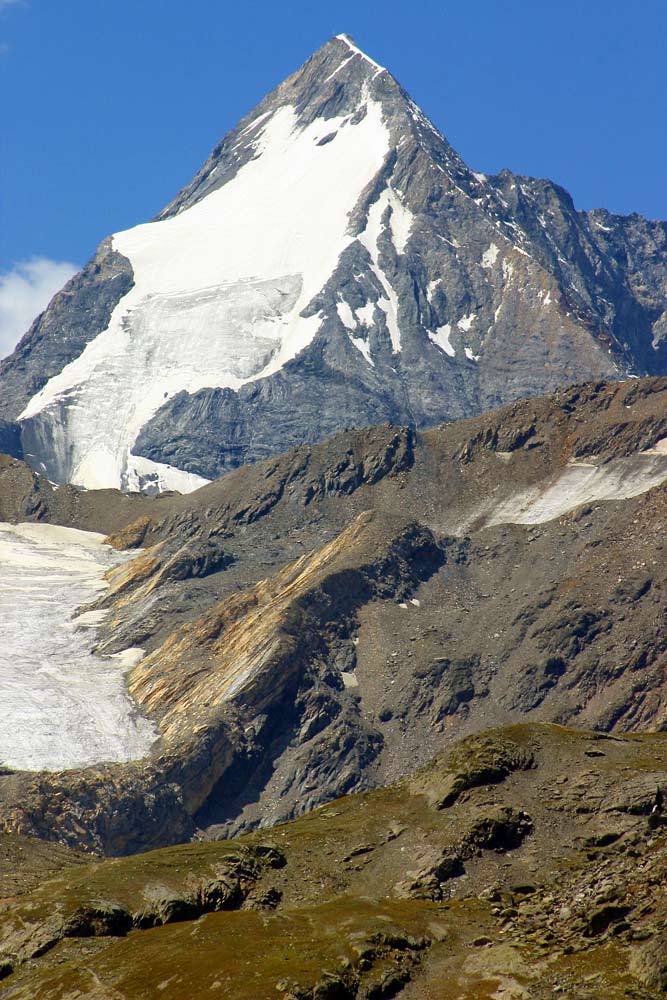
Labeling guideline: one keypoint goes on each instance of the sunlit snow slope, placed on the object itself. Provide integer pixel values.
(333, 264)
(62, 706)
(218, 294)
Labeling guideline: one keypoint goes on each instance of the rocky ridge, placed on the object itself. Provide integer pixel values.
(319, 623)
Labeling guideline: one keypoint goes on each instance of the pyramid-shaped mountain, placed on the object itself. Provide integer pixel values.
(333, 264)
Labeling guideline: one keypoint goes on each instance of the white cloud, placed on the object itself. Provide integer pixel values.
(25, 291)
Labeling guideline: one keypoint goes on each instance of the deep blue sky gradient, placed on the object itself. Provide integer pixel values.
(110, 106)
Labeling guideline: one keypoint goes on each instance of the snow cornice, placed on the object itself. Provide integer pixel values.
(356, 51)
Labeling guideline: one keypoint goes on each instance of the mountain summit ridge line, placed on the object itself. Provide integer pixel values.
(334, 263)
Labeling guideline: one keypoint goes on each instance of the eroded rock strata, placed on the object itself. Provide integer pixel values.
(319, 623)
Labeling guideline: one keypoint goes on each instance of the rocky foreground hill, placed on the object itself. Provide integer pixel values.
(527, 862)
(334, 264)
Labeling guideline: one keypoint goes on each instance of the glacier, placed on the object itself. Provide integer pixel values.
(62, 706)
(219, 293)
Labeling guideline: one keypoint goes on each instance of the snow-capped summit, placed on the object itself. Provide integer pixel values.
(333, 263)
(220, 281)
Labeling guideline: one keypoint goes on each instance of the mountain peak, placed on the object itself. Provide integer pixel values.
(333, 262)
(356, 51)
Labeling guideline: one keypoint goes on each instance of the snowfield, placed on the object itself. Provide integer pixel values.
(62, 706)
(585, 483)
(218, 295)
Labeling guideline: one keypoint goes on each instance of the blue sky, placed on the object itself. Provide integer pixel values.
(110, 107)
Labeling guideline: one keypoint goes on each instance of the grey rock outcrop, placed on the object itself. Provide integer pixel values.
(74, 317)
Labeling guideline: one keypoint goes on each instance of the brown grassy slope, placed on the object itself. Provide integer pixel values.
(528, 860)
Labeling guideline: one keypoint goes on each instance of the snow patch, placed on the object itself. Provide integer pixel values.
(129, 658)
(452, 243)
(255, 122)
(421, 119)
(584, 483)
(89, 619)
(660, 447)
(469, 355)
(441, 339)
(466, 322)
(365, 314)
(155, 477)
(363, 347)
(369, 238)
(349, 320)
(339, 68)
(490, 256)
(357, 52)
(401, 220)
(431, 287)
(389, 307)
(347, 317)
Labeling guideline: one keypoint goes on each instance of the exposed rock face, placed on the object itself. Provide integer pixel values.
(274, 656)
(27, 496)
(317, 623)
(75, 316)
(10, 438)
(423, 292)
